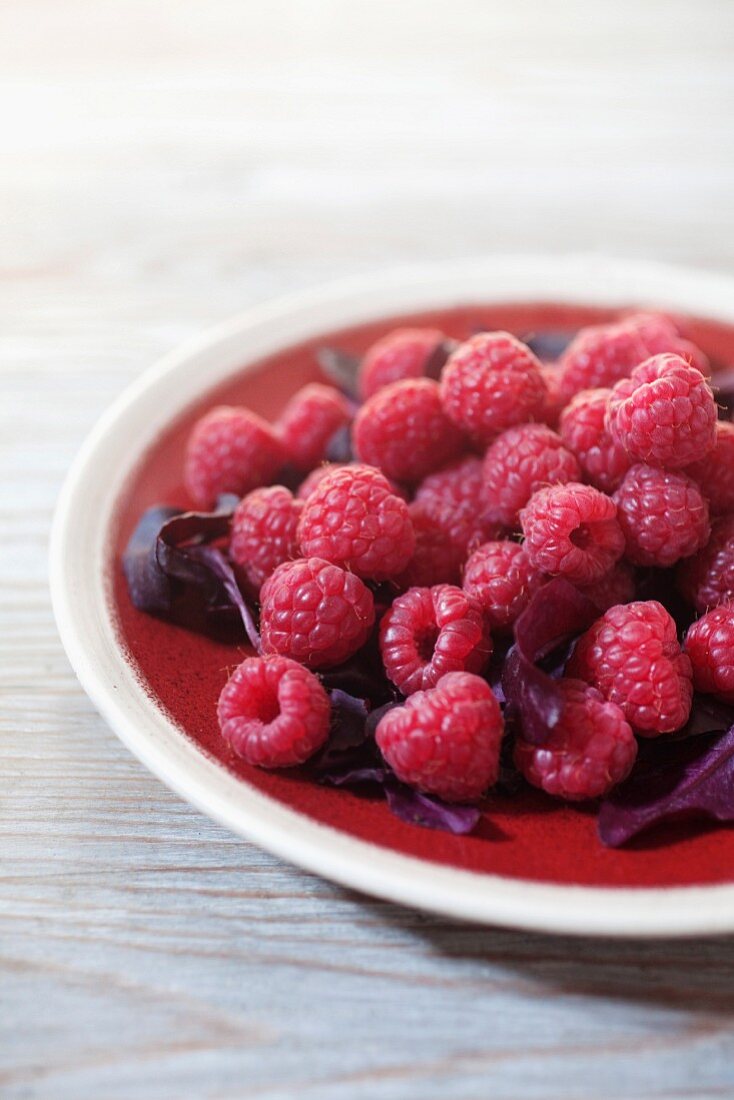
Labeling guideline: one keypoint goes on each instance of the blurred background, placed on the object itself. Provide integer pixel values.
(163, 165)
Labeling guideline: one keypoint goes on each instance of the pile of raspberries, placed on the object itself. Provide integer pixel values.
(478, 474)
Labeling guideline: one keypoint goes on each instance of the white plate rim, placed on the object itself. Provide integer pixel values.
(79, 588)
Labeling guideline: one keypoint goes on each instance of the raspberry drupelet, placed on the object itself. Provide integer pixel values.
(445, 741)
(660, 333)
(353, 519)
(715, 472)
(632, 656)
(315, 612)
(707, 579)
(518, 463)
(435, 560)
(273, 712)
(404, 431)
(402, 353)
(572, 531)
(603, 461)
(230, 450)
(590, 751)
(308, 422)
(710, 645)
(431, 631)
(490, 383)
(454, 499)
(264, 529)
(500, 577)
(664, 414)
(663, 516)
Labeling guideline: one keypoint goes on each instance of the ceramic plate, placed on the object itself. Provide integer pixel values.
(533, 863)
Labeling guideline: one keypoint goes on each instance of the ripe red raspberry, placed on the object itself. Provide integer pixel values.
(631, 655)
(404, 431)
(445, 741)
(572, 531)
(308, 422)
(659, 333)
(431, 631)
(273, 712)
(315, 612)
(555, 398)
(403, 353)
(501, 579)
(354, 520)
(490, 383)
(518, 463)
(454, 499)
(715, 472)
(662, 514)
(314, 479)
(707, 579)
(603, 461)
(710, 646)
(664, 414)
(264, 529)
(435, 560)
(600, 355)
(230, 450)
(591, 750)
(617, 586)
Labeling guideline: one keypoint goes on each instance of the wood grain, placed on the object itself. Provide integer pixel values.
(163, 165)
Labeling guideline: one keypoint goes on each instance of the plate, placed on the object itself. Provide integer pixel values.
(533, 864)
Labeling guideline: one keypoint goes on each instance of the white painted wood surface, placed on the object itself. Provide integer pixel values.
(161, 166)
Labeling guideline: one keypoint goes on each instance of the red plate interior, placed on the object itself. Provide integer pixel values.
(528, 836)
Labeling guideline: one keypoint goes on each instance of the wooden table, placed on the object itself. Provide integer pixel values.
(163, 165)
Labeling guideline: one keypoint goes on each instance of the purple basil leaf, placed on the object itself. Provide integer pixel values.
(350, 777)
(421, 809)
(341, 369)
(722, 383)
(700, 787)
(339, 447)
(437, 359)
(220, 568)
(148, 585)
(548, 345)
(557, 613)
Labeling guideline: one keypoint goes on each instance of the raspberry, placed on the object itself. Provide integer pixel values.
(431, 631)
(454, 499)
(435, 558)
(631, 655)
(501, 579)
(314, 479)
(572, 531)
(616, 586)
(600, 355)
(273, 712)
(555, 398)
(445, 741)
(403, 353)
(662, 514)
(519, 462)
(308, 422)
(230, 450)
(404, 431)
(603, 461)
(715, 472)
(490, 383)
(660, 334)
(264, 529)
(590, 750)
(710, 646)
(354, 520)
(664, 414)
(315, 612)
(707, 579)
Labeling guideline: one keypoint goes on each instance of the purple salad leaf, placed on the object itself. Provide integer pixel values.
(432, 813)
(722, 383)
(148, 585)
(341, 369)
(549, 344)
(437, 358)
(353, 776)
(220, 568)
(557, 613)
(701, 786)
(339, 448)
